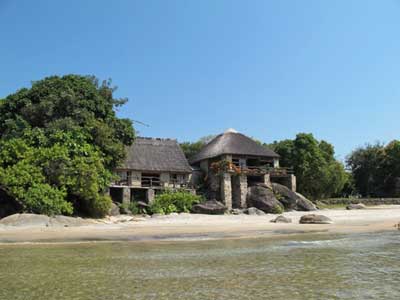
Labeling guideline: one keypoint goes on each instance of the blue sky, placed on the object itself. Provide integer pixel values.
(269, 69)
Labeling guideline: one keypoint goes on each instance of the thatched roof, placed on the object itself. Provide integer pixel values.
(156, 155)
(232, 142)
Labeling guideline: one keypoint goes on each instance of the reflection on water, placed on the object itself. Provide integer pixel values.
(331, 267)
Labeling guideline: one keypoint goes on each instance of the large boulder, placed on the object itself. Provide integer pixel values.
(114, 210)
(315, 219)
(210, 207)
(281, 219)
(303, 204)
(355, 206)
(252, 211)
(263, 198)
(286, 196)
(34, 220)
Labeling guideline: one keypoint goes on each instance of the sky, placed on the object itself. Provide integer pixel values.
(269, 69)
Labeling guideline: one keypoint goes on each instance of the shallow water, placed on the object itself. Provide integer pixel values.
(358, 266)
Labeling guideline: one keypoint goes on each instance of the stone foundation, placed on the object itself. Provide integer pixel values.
(226, 190)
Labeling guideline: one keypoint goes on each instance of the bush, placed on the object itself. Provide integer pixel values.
(277, 209)
(178, 201)
(100, 206)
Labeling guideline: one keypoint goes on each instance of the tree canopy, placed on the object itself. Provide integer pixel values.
(376, 169)
(191, 148)
(318, 173)
(59, 142)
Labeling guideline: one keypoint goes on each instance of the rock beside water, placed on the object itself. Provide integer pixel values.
(286, 196)
(33, 220)
(315, 219)
(303, 204)
(281, 219)
(263, 198)
(252, 211)
(210, 207)
(355, 206)
(114, 210)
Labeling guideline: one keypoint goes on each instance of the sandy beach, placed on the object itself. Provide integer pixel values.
(197, 227)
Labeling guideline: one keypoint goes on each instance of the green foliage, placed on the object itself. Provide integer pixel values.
(277, 209)
(318, 173)
(59, 142)
(174, 201)
(190, 149)
(375, 169)
(99, 206)
(133, 207)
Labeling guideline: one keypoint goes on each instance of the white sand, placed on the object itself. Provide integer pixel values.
(191, 226)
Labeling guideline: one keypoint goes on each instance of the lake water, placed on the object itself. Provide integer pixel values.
(365, 266)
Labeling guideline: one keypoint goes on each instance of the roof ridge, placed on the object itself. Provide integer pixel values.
(155, 138)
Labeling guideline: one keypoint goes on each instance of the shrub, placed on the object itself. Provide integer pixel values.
(100, 206)
(277, 209)
(174, 201)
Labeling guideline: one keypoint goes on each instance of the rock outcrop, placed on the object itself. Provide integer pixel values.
(33, 220)
(281, 219)
(286, 196)
(253, 211)
(210, 207)
(355, 206)
(114, 210)
(263, 198)
(303, 204)
(315, 219)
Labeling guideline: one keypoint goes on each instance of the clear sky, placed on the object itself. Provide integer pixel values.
(269, 69)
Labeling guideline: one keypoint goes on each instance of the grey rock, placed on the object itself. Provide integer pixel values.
(114, 210)
(281, 219)
(303, 204)
(33, 220)
(210, 207)
(252, 211)
(315, 219)
(65, 221)
(237, 211)
(355, 206)
(21, 220)
(286, 196)
(263, 198)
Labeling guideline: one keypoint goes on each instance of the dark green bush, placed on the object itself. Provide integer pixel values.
(100, 206)
(174, 201)
(277, 209)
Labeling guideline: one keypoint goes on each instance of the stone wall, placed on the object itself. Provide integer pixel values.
(366, 201)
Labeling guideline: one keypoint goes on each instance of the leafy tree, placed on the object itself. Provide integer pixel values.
(59, 142)
(318, 173)
(190, 149)
(376, 168)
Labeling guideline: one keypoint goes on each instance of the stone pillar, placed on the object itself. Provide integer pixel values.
(226, 190)
(276, 162)
(292, 182)
(126, 195)
(267, 180)
(150, 196)
(243, 191)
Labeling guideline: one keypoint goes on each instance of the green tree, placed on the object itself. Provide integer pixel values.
(366, 165)
(59, 142)
(318, 173)
(190, 149)
(376, 168)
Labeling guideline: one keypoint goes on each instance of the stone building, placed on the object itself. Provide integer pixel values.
(152, 165)
(232, 162)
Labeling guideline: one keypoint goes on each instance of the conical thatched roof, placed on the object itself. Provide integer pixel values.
(232, 142)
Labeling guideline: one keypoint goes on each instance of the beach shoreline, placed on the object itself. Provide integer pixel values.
(188, 227)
